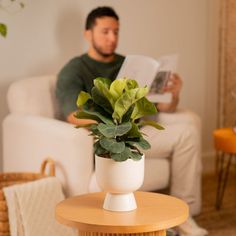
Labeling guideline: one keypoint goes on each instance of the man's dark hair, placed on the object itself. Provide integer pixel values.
(97, 13)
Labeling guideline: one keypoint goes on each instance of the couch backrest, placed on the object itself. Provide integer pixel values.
(34, 96)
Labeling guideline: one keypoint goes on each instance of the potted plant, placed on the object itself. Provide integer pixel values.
(119, 162)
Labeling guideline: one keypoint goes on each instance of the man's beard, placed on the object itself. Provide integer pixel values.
(100, 52)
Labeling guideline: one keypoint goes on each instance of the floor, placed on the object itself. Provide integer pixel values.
(223, 221)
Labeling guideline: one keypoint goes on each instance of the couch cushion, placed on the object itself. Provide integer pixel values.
(34, 96)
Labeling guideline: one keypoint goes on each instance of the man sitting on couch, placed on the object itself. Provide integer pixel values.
(181, 138)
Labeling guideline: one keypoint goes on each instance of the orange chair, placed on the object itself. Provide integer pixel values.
(225, 145)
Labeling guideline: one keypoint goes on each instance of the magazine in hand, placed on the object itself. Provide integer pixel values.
(150, 72)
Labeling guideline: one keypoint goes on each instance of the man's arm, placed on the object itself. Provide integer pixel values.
(73, 120)
(174, 88)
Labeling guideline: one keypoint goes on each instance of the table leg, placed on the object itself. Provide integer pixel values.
(155, 233)
(217, 162)
(222, 178)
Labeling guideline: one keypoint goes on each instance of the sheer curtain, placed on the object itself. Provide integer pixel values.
(227, 64)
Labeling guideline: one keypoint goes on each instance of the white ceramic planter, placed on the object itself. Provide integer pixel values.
(119, 180)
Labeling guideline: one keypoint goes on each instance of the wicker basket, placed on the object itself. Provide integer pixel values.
(8, 179)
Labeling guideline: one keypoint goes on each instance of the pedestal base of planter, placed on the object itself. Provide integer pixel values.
(120, 202)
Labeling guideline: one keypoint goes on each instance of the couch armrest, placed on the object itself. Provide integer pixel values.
(27, 140)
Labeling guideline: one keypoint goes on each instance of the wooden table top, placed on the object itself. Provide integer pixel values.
(155, 212)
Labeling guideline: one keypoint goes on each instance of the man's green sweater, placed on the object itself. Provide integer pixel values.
(78, 75)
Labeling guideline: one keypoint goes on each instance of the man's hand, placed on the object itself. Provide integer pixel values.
(73, 120)
(174, 86)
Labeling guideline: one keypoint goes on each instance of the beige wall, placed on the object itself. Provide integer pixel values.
(44, 35)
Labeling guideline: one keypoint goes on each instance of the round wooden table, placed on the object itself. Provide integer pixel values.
(155, 213)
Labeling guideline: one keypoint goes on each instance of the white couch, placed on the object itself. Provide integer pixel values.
(32, 131)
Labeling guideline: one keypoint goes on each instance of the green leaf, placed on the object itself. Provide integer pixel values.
(92, 116)
(127, 116)
(82, 98)
(123, 156)
(131, 84)
(3, 30)
(127, 99)
(104, 81)
(117, 87)
(134, 132)
(84, 115)
(100, 100)
(143, 107)
(103, 85)
(94, 129)
(111, 130)
(142, 143)
(98, 149)
(97, 111)
(151, 123)
(135, 156)
(112, 145)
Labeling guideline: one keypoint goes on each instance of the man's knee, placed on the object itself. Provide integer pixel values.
(191, 118)
(181, 116)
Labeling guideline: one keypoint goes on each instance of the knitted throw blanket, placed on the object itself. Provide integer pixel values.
(31, 208)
